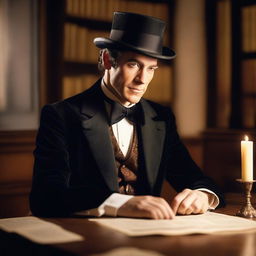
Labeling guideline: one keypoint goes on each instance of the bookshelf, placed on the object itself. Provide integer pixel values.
(232, 64)
(248, 63)
(71, 55)
(231, 34)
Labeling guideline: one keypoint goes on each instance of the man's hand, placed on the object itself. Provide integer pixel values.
(187, 202)
(146, 207)
(190, 201)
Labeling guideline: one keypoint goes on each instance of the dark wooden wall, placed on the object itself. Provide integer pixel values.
(16, 162)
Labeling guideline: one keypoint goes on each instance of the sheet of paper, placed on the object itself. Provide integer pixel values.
(181, 225)
(38, 230)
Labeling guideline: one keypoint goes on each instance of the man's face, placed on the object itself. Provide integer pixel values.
(130, 79)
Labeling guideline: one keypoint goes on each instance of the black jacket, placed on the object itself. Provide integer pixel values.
(74, 165)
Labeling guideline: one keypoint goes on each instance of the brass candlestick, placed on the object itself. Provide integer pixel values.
(247, 210)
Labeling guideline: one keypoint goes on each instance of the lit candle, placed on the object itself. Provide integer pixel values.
(247, 159)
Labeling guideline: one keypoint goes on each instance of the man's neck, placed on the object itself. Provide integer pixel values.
(112, 94)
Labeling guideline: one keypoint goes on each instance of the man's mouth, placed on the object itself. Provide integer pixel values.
(135, 90)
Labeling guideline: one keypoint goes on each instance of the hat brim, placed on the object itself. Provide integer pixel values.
(101, 42)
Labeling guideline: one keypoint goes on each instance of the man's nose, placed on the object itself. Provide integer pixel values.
(141, 76)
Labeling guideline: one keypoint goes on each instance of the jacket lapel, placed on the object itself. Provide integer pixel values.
(95, 126)
(96, 130)
(153, 134)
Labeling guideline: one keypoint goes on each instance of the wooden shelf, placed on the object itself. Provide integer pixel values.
(78, 68)
(89, 23)
(249, 94)
(249, 55)
(248, 2)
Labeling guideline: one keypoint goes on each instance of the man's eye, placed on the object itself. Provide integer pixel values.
(133, 64)
(152, 69)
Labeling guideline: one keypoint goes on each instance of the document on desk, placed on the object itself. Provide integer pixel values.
(38, 230)
(207, 223)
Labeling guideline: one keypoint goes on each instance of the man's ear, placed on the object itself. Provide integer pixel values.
(107, 60)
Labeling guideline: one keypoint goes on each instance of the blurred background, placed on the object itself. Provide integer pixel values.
(47, 54)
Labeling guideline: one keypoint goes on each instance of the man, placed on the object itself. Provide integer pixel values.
(107, 151)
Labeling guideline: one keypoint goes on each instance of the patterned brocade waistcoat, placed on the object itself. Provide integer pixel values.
(127, 166)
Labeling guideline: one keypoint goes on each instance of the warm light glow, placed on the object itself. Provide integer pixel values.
(246, 138)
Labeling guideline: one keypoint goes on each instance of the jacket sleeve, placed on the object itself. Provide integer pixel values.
(182, 172)
(51, 193)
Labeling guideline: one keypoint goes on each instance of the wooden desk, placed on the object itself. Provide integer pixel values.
(100, 239)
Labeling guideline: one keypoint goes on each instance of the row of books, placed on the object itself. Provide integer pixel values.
(249, 93)
(72, 85)
(248, 75)
(103, 9)
(249, 112)
(78, 43)
(249, 28)
(160, 88)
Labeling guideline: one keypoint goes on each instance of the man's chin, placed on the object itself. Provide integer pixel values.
(134, 99)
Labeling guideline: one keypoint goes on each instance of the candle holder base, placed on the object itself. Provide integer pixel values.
(247, 210)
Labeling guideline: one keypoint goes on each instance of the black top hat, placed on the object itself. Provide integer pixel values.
(136, 32)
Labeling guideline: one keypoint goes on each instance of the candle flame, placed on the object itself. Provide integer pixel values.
(246, 138)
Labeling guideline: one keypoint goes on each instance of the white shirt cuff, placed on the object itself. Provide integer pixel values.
(109, 207)
(214, 202)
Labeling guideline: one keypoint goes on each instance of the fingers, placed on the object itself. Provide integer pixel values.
(178, 201)
(161, 207)
(146, 207)
(187, 202)
(190, 201)
(154, 207)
